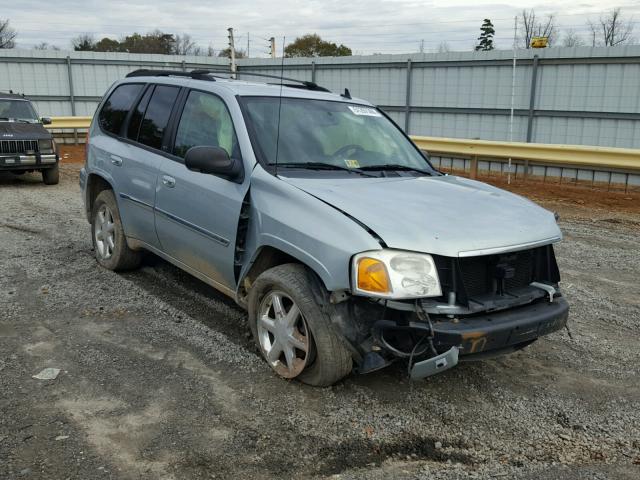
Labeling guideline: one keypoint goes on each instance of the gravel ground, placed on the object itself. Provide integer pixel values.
(159, 379)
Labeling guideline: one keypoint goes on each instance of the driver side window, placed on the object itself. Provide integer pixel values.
(205, 121)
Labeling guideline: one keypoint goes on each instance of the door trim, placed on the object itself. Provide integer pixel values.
(135, 200)
(202, 231)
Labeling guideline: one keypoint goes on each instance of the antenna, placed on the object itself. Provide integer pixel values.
(279, 105)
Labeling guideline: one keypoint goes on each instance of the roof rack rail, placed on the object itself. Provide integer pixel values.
(195, 74)
(297, 83)
(208, 74)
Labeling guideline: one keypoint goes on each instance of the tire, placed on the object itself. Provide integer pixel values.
(51, 176)
(327, 359)
(109, 241)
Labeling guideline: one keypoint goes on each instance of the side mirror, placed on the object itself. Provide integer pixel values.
(46, 120)
(214, 161)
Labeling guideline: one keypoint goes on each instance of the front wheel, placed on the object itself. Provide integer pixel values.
(109, 241)
(294, 334)
(51, 176)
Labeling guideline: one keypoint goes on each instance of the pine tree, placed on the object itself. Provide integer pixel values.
(486, 37)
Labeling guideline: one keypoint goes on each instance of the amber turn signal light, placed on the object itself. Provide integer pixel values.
(373, 276)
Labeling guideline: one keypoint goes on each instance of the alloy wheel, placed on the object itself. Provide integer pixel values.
(283, 334)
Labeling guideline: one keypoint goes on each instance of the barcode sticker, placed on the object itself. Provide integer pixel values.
(366, 111)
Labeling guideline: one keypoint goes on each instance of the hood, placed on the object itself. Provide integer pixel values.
(23, 131)
(443, 215)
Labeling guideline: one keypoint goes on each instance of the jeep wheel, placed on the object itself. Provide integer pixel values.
(51, 176)
(109, 242)
(294, 334)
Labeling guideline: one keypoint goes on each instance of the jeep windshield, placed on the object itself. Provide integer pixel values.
(328, 135)
(17, 111)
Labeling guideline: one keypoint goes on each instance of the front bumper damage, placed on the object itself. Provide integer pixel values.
(451, 339)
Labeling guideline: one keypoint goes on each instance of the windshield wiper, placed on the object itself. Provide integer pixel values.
(322, 166)
(395, 166)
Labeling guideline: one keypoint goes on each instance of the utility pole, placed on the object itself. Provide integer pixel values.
(272, 46)
(247, 44)
(232, 53)
(422, 46)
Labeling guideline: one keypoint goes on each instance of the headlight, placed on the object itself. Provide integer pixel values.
(395, 274)
(45, 146)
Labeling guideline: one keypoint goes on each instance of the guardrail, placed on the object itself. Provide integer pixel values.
(598, 158)
(565, 156)
(72, 123)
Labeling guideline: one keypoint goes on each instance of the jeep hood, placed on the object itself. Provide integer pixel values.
(443, 215)
(23, 131)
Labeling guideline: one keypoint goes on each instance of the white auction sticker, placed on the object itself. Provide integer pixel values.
(367, 111)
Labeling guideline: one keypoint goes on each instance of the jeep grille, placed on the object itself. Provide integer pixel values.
(18, 146)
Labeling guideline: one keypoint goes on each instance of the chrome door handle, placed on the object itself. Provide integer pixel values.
(117, 161)
(168, 181)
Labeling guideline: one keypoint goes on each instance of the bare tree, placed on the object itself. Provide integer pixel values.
(531, 26)
(611, 30)
(84, 42)
(444, 47)
(184, 45)
(45, 46)
(572, 39)
(7, 34)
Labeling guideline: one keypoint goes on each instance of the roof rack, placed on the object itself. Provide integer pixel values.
(208, 74)
(297, 83)
(195, 74)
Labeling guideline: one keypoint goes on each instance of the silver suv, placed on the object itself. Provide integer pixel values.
(317, 214)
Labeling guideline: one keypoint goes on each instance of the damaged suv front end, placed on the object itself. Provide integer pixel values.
(461, 270)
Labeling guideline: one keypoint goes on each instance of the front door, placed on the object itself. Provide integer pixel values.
(197, 214)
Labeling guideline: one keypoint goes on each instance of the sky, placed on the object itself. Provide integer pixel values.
(366, 26)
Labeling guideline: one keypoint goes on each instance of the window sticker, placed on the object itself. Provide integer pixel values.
(366, 111)
(352, 163)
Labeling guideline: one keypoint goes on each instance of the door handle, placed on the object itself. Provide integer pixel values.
(168, 181)
(117, 161)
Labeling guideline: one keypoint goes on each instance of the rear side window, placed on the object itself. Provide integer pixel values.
(205, 121)
(138, 113)
(115, 110)
(157, 115)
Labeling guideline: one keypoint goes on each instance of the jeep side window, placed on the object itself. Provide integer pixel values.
(157, 116)
(115, 110)
(205, 121)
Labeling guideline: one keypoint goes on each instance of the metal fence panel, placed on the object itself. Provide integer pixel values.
(584, 95)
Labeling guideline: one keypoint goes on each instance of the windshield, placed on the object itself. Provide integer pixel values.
(18, 110)
(343, 135)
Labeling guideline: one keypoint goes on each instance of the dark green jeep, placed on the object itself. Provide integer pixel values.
(25, 145)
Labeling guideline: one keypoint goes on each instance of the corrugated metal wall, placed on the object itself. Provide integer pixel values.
(587, 96)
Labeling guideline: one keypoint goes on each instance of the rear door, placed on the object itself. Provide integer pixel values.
(140, 159)
(197, 214)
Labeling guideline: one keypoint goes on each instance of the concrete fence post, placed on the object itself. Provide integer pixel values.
(72, 97)
(407, 110)
(532, 107)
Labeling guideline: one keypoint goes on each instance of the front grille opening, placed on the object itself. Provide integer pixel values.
(491, 275)
(18, 146)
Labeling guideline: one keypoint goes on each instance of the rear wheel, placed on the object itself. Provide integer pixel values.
(51, 176)
(109, 241)
(294, 334)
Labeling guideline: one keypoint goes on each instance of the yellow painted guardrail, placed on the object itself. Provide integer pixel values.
(59, 123)
(545, 153)
(551, 154)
